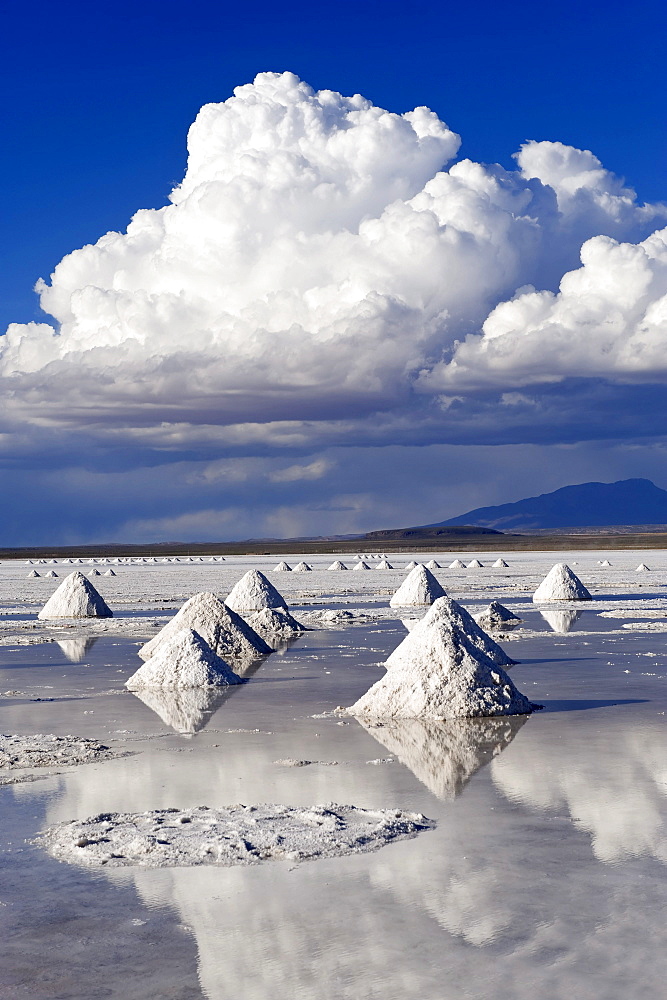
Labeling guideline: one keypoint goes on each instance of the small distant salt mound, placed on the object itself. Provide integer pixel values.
(94, 572)
(475, 564)
(412, 564)
(253, 592)
(445, 614)
(419, 587)
(32, 574)
(227, 633)
(109, 572)
(499, 564)
(231, 835)
(496, 616)
(302, 567)
(282, 567)
(444, 677)
(75, 598)
(384, 564)
(432, 564)
(457, 564)
(185, 660)
(337, 566)
(28, 562)
(605, 563)
(361, 565)
(642, 568)
(561, 584)
(275, 623)
(51, 575)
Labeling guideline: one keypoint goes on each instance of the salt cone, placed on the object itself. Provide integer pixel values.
(227, 633)
(419, 587)
(282, 567)
(457, 564)
(500, 564)
(254, 592)
(76, 597)
(275, 623)
(361, 565)
(561, 584)
(302, 567)
(337, 565)
(496, 616)
(185, 660)
(445, 614)
(446, 678)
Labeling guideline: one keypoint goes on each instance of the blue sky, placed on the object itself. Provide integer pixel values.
(97, 104)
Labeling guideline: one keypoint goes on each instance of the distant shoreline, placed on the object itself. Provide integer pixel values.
(277, 547)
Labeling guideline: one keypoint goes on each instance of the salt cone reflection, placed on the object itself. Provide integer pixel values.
(76, 650)
(187, 710)
(561, 620)
(445, 755)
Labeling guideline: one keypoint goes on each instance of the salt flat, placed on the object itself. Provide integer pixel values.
(544, 875)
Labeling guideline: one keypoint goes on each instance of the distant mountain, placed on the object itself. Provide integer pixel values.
(627, 502)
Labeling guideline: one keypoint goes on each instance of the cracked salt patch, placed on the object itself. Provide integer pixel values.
(49, 751)
(234, 835)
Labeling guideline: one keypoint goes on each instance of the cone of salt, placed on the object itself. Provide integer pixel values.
(76, 597)
(560, 584)
(419, 587)
(254, 592)
(183, 661)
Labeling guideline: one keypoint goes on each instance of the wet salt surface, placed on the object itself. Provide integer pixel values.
(545, 875)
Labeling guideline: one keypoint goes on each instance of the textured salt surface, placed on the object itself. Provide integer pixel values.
(234, 835)
(47, 750)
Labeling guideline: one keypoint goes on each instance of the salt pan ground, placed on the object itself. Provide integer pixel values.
(544, 874)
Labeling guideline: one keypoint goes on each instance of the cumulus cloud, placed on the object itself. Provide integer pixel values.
(316, 258)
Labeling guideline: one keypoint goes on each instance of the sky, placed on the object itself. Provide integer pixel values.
(301, 270)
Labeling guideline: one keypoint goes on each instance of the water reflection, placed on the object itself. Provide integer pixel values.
(445, 755)
(561, 619)
(187, 710)
(76, 650)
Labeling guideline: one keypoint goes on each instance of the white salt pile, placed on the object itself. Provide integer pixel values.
(282, 567)
(444, 677)
(50, 751)
(109, 572)
(51, 575)
(275, 623)
(561, 584)
(419, 587)
(445, 614)
(184, 660)
(605, 563)
(32, 574)
(496, 616)
(253, 592)
(642, 568)
(412, 564)
(457, 564)
(500, 564)
(233, 835)
(475, 564)
(302, 567)
(227, 633)
(432, 564)
(384, 564)
(361, 565)
(75, 598)
(337, 565)
(94, 572)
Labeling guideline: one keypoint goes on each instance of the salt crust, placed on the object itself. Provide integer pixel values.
(561, 584)
(227, 633)
(184, 660)
(496, 616)
(439, 674)
(47, 750)
(75, 598)
(445, 755)
(233, 835)
(442, 614)
(419, 587)
(253, 592)
(272, 623)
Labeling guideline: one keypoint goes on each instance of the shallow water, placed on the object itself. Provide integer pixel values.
(545, 876)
